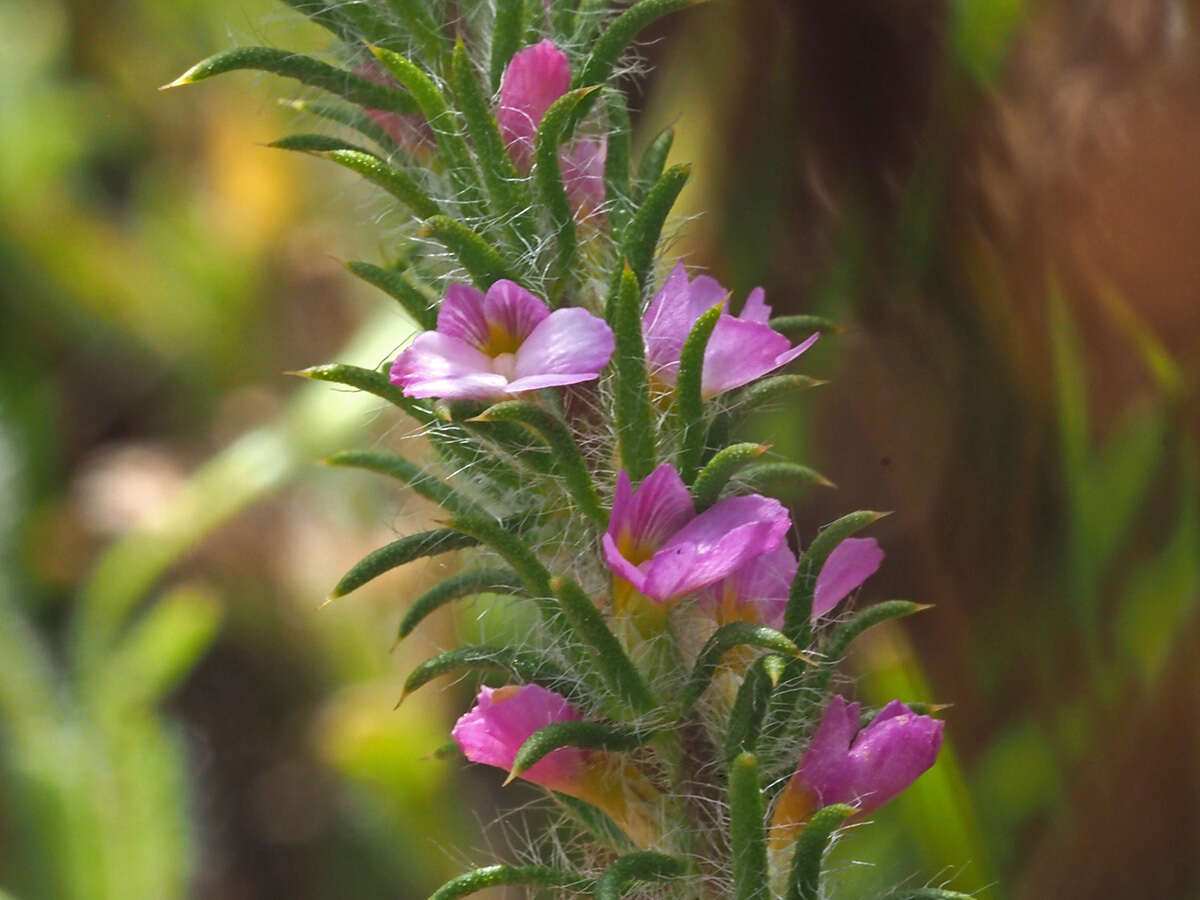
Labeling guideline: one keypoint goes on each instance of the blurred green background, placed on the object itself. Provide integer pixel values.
(1001, 202)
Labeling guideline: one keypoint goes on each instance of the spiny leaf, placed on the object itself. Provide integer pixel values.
(800, 327)
(620, 34)
(720, 469)
(584, 735)
(617, 161)
(804, 882)
(689, 402)
(633, 413)
(735, 634)
(366, 164)
(482, 261)
(547, 175)
(567, 456)
(749, 707)
(398, 553)
(304, 69)
(652, 163)
(373, 383)
(507, 30)
(420, 480)
(515, 552)
(393, 283)
(644, 866)
(844, 635)
(588, 18)
(523, 665)
(747, 832)
(443, 121)
(609, 657)
(766, 477)
(597, 823)
(477, 581)
(501, 876)
(645, 230)
(506, 191)
(797, 619)
(769, 390)
(345, 114)
(417, 18)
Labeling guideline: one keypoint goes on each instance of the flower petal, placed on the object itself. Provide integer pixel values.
(582, 166)
(716, 543)
(534, 79)
(740, 351)
(824, 766)
(891, 754)
(434, 356)
(670, 317)
(755, 308)
(567, 341)
(501, 720)
(512, 313)
(461, 316)
(757, 592)
(851, 563)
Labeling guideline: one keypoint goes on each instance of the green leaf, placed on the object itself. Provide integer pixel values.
(653, 162)
(633, 411)
(769, 390)
(502, 876)
(597, 823)
(523, 665)
(398, 553)
(507, 31)
(366, 164)
(720, 469)
(483, 262)
(373, 383)
(689, 402)
(620, 34)
(420, 480)
(804, 882)
(633, 867)
(588, 18)
(747, 831)
(476, 581)
(506, 190)
(645, 229)
(609, 657)
(845, 634)
(617, 161)
(347, 115)
(584, 735)
(568, 458)
(393, 283)
(547, 174)
(802, 327)
(796, 623)
(562, 19)
(304, 69)
(523, 560)
(772, 478)
(444, 122)
(750, 705)
(724, 639)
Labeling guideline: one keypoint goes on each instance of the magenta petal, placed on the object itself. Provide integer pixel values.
(620, 566)
(890, 754)
(503, 718)
(716, 543)
(512, 311)
(448, 361)
(534, 79)
(461, 316)
(823, 767)
(740, 351)
(851, 563)
(755, 308)
(658, 509)
(537, 382)
(666, 324)
(582, 166)
(567, 341)
(760, 588)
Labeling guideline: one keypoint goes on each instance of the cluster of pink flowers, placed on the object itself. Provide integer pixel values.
(732, 559)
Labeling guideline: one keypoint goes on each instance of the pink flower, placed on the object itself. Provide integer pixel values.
(867, 767)
(658, 545)
(534, 79)
(501, 721)
(758, 591)
(504, 718)
(491, 346)
(741, 348)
